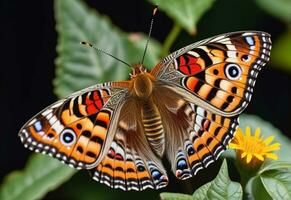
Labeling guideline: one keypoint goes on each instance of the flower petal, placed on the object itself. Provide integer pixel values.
(259, 156)
(272, 147)
(249, 158)
(272, 156)
(248, 131)
(248, 145)
(258, 133)
(239, 137)
(243, 154)
(235, 146)
(269, 139)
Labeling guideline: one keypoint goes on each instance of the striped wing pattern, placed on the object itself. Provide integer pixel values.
(130, 163)
(217, 77)
(221, 71)
(75, 129)
(208, 136)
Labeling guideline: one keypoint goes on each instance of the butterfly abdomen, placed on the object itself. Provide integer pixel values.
(153, 127)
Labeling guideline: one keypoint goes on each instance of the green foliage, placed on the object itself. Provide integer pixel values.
(278, 183)
(273, 181)
(274, 166)
(175, 196)
(281, 52)
(185, 12)
(281, 9)
(256, 190)
(78, 66)
(41, 175)
(278, 8)
(220, 188)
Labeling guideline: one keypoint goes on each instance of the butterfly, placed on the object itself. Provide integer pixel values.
(185, 109)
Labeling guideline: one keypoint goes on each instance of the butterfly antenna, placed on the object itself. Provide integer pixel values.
(150, 31)
(88, 44)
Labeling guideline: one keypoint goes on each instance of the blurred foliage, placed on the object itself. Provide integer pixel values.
(78, 67)
(41, 175)
(281, 51)
(192, 10)
(278, 8)
(82, 67)
(185, 12)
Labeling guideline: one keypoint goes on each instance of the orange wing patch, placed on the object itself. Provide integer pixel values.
(231, 65)
(209, 138)
(126, 169)
(73, 130)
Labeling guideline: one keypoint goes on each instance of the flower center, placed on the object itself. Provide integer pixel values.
(253, 145)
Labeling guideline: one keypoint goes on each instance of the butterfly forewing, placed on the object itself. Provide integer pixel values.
(77, 129)
(220, 71)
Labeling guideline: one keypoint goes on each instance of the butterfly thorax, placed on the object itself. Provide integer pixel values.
(142, 82)
(142, 86)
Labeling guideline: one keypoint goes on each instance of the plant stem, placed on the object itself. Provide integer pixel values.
(176, 29)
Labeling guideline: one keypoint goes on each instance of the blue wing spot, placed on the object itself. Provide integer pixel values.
(156, 174)
(250, 40)
(38, 126)
(182, 164)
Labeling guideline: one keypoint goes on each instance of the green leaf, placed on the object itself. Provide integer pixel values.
(220, 188)
(256, 190)
(175, 196)
(185, 12)
(41, 175)
(201, 192)
(278, 183)
(277, 8)
(262, 186)
(267, 129)
(275, 165)
(78, 66)
(280, 56)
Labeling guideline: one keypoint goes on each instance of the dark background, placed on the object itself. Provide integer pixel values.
(28, 40)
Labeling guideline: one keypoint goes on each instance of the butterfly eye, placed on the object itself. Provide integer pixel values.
(233, 71)
(68, 137)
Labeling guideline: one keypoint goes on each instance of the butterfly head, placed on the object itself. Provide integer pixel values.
(137, 69)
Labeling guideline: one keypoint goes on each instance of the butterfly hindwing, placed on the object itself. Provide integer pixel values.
(196, 135)
(208, 138)
(76, 129)
(220, 72)
(130, 164)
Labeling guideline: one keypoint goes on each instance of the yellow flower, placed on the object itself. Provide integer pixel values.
(252, 149)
